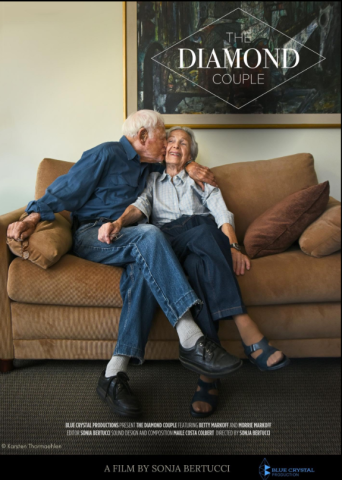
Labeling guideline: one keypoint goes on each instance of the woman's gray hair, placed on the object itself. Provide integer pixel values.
(142, 118)
(194, 144)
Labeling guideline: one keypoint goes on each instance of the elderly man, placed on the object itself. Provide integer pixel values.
(97, 190)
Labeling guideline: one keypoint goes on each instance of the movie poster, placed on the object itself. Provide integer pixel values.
(226, 57)
(235, 63)
(200, 65)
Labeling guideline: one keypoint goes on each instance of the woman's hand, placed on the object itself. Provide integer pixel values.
(108, 231)
(240, 262)
(200, 174)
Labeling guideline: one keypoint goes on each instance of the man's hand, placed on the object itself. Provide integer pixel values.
(108, 231)
(20, 231)
(240, 262)
(201, 174)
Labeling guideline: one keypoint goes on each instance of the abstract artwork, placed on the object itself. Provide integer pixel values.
(236, 63)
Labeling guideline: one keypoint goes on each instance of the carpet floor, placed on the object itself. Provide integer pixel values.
(51, 407)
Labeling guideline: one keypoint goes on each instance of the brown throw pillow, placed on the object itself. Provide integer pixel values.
(281, 225)
(323, 237)
(49, 242)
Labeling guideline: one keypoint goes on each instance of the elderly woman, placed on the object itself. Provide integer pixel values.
(200, 229)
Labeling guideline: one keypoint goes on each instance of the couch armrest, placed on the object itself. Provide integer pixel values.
(332, 202)
(6, 341)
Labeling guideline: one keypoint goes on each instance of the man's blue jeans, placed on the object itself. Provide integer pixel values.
(152, 275)
(204, 252)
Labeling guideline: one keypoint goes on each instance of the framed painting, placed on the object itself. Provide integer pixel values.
(234, 64)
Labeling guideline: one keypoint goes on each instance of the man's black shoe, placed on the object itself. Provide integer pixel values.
(208, 358)
(119, 397)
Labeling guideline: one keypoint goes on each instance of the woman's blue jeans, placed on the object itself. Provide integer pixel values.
(152, 275)
(204, 252)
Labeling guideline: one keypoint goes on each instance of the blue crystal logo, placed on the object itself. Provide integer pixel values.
(264, 469)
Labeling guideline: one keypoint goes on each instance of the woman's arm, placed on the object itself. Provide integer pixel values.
(131, 215)
(228, 230)
(140, 208)
(109, 230)
(240, 261)
(213, 200)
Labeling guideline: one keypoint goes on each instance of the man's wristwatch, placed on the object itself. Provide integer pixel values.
(236, 246)
(187, 163)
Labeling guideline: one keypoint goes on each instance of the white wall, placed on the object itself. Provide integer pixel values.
(61, 93)
(219, 147)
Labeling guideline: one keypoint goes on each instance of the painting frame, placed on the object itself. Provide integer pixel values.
(205, 121)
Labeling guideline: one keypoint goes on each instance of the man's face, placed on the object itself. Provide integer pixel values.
(155, 147)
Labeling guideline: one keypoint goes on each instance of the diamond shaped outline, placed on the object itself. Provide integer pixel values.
(211, 93)
(262, 464)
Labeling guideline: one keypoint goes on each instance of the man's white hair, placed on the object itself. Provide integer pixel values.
(142, 118)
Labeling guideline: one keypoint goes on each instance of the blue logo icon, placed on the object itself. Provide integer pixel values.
(264, 469)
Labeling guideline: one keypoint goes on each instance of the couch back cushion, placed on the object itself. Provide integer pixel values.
(47, 173)
(250, 188)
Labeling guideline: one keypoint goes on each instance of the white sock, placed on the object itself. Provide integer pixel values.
(118, 363)
(188, 331)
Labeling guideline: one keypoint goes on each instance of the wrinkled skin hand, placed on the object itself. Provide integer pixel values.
(201, 174)
(20, 231)
(109, 231)
(240, 262)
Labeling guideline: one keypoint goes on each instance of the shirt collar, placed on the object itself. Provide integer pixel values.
(130, 152)
(181, 175)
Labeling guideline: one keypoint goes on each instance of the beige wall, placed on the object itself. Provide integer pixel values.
(61, 88)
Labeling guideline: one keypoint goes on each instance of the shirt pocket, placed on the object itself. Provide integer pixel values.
(118, 187)
(130, 179)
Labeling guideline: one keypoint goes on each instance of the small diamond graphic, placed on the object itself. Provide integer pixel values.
(242, 64)
(264, 469)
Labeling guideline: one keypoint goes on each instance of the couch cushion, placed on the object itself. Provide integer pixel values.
(163, 350)
(281, 225)
(48, 243)
(288, 277)
(250, 188)
(318, 320)
(292, 277)
(71, 281)
(323, 236)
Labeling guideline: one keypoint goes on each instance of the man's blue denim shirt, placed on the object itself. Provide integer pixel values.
(103, 183)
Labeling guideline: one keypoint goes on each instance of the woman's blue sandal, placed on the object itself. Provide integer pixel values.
(267, 351)
(203, 395)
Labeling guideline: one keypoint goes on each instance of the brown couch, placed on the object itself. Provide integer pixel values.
(69, 312)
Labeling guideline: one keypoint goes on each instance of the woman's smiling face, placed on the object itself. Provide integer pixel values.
(178, 148)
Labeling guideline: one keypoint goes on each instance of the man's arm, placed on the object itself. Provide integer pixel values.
(72, 190)
(67, 192)
(19, 231)
(200, 174)
(197, 172)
